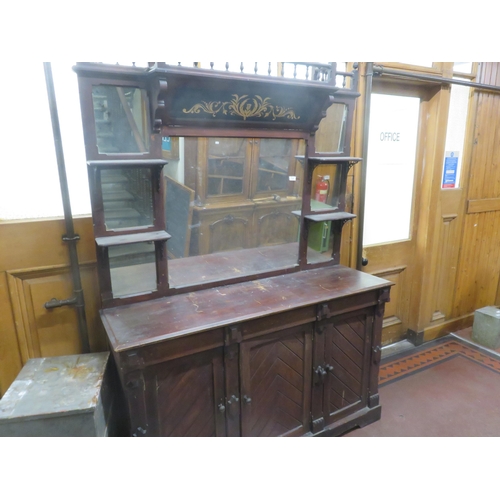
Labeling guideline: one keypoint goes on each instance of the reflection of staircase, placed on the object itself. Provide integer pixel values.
(131, 255)
(119, 201)
(127, 202)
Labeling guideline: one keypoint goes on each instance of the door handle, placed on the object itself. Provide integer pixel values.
(320, 374)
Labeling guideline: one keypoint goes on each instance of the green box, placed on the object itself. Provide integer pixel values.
(319, 236)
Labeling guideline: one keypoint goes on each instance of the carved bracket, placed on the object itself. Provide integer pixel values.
(232, 335)
(322, 312)
(158, 105)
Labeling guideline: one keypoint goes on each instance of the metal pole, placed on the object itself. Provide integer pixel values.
(70, 237)
(380, 70)
(364, 155)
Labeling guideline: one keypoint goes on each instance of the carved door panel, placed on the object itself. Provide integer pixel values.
(186, 397)
(228, 233)
(276, 383)
(341, 367)
(276, 225)
(225, 228)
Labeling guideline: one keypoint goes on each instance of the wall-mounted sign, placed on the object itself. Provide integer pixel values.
(450, 169)
(166, 144)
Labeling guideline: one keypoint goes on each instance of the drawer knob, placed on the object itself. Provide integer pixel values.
(247, 399)
(221, 408)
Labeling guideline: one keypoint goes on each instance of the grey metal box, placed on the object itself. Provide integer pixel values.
(486, 327)
(60, 396)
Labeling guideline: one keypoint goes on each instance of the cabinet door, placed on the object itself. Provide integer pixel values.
(186, 397)
(273, 163)
(276, 225)
(224, 168)
(341, 366)
(276, 383)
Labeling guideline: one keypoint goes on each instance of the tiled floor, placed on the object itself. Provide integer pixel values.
(449, 387)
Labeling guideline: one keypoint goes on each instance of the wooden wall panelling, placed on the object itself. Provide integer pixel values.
(448, 248)
(33, 269)
(485, 205)
(479, 267)
(442, 293)
(45, 332)
(10, 355)
(485, 147)
(466, 271)
(427, 219)
(488, 265)
(395, 309)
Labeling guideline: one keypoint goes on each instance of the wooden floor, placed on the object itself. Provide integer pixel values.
(448, 387)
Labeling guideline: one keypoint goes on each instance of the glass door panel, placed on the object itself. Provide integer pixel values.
(226, 166)
(274, 164)
(390, 168)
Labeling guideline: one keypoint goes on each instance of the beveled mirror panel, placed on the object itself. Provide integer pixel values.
(127, 198)
(326, 187)
(330, 135)
(120, 115)
(132, 269)
(320, 242)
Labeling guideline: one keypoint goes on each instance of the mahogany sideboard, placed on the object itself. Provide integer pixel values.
(223, 298)
(291, 355)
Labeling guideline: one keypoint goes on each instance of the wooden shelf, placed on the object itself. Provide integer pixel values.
(328, 216)
(125, 239)
(327, 160)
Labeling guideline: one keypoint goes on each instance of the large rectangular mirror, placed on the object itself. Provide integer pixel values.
(229, 204)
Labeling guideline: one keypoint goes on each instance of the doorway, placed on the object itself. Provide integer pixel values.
(398, 122)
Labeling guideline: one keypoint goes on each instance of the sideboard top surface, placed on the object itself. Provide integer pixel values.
(135, 325)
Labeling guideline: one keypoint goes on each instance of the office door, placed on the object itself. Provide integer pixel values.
(393, 169)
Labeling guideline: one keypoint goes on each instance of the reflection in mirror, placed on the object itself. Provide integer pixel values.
(226, 166)
(229, 204)
(132, 268)
(326, 187)
(120, 119)
(320, 242)
(127, 198)
(330, 135)
(274, 164)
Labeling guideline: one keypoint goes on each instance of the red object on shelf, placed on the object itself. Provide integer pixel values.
(321, 190)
